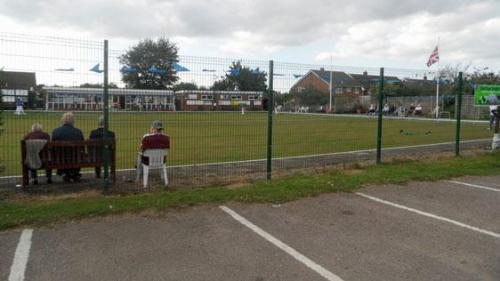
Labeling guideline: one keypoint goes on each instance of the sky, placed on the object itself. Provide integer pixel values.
(358, 33)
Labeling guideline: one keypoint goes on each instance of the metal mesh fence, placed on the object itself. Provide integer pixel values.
(219, 128)
(30, 64)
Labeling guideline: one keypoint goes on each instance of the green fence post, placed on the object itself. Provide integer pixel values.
(106, 119)
(497, 121)
(379, 111)
(458, 111)
(270, 105)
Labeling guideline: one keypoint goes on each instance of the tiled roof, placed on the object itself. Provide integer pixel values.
(339, 78)
(17, 80)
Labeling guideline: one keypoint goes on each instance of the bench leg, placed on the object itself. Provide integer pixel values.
(26, 177)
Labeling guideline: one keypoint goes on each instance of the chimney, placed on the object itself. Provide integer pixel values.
(365, 73)
(322, 69)
(425, 77)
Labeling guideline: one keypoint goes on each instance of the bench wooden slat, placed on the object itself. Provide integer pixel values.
(72, 155)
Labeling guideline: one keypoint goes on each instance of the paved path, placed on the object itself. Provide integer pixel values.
(420, 231)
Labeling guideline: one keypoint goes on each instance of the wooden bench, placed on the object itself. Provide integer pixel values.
(72, 155)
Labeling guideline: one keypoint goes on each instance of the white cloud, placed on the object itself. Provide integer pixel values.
(466, 35)
(385, 29)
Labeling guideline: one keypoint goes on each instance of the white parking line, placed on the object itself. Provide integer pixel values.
(287, 249)
(487, 232)
(476, 186)
(21, 257)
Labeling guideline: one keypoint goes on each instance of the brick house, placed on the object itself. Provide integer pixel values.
(370, 82)
(341, 82)
(350, 91)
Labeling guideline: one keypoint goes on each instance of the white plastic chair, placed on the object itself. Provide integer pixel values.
(156, 162)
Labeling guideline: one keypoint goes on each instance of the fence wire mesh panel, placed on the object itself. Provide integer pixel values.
(216, 123)
(305, 135)
(215, 110)
(418, 122)
(36, 71)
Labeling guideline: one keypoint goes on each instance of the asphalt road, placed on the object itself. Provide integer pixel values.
(456, 236)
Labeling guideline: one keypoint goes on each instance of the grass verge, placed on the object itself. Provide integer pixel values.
(14, 214)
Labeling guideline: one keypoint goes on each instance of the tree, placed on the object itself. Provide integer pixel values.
(150, 64)
(282, 98)
(241, 78)
(311, 96)
(449, 75)
(186, 86)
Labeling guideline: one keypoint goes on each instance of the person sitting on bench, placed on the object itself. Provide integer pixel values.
(35, 141)
(68, 132)
(418, 110)
(372, 109)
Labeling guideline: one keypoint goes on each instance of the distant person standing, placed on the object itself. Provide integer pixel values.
(19, 107)
(493, 109)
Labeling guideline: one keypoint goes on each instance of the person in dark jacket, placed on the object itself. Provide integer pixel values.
(37, 133)
(68, 132)
(98, 134)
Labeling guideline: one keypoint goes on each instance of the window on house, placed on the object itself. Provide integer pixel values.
(7, 92)
(9, 99)
(338, 90)
(21, 92)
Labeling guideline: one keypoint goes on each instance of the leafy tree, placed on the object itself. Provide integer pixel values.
(223, 85)
(241, 78)
(449, 75)
(149, 64)
(282, 98)
(485, 77)
(481, 77)
(187, 86)
(311, 96)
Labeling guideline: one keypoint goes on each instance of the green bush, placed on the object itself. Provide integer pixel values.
(2, 167)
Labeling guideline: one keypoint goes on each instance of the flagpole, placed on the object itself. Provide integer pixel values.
(437, 84)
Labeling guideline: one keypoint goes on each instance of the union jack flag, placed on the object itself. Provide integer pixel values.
(434, 57)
